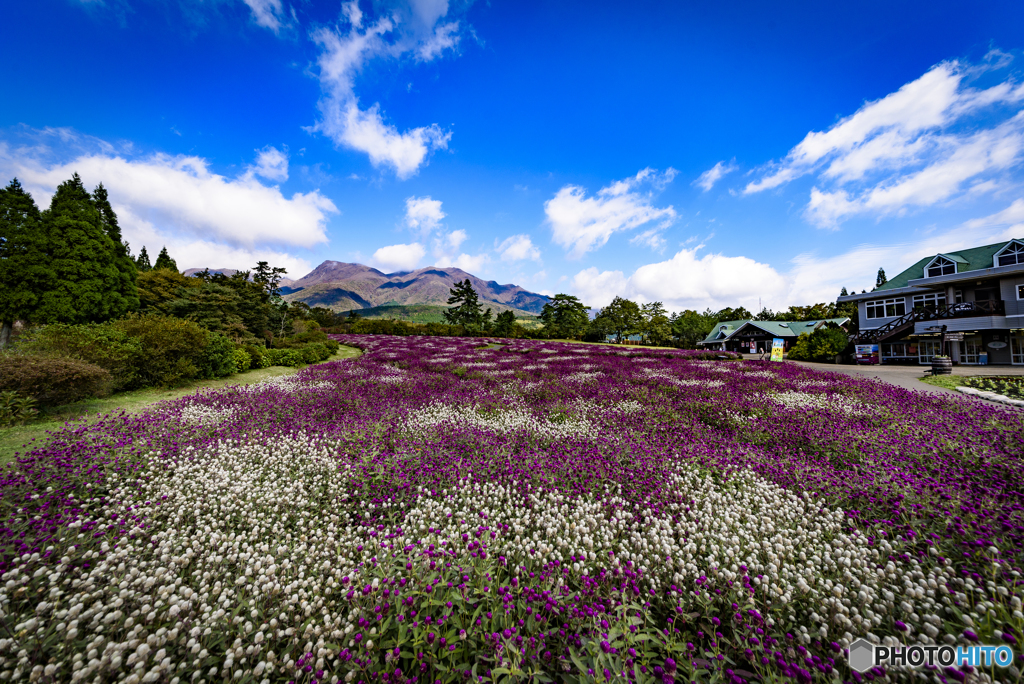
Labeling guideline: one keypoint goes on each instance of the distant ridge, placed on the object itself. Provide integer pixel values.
(342, 286)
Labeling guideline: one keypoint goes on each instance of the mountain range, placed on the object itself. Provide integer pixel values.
(342, 286)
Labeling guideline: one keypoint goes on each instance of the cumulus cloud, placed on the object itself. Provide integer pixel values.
(344, 51)
(398, 257)
(518, 248)
(423, 215)
(179, 193)
(271, 164)
(707, 180)
(471, 263)
(935, 139)
(269, 14)
(581, 223)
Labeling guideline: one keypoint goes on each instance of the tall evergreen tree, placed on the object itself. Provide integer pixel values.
(622, 317)
(126, 297)
(880, 279)
(164, 260)
(466, 311)
(843, 293)
(25, 269)
(84, 259)
(142, 261)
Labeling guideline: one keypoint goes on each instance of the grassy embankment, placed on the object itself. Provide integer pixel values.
(14, 439)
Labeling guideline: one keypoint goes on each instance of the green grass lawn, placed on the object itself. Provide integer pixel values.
(947, 381)
(14, 439)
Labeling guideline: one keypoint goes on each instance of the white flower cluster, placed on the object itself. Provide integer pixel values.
(828, 402)
(582, 376)
(197, 414)
(516, 418)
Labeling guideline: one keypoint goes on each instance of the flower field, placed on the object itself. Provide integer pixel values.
(441, 511)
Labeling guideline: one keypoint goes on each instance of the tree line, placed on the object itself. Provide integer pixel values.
(69, 264)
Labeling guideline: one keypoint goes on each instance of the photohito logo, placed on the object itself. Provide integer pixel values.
(864, 655)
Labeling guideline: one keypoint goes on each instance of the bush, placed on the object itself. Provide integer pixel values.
(217, 359)
(174, 349)
(258, 357)
(332, 347)
(103, 345)
(16, 409)
(53, 381)
(285, 357)
(242, 360)
(821, 345)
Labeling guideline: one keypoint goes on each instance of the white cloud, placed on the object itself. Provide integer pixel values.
(652, 238)
(269, 14)
(470, 263)
(453, 240)
(934, 139)
(343, 55)
(271, 164)
(179, 194)
(598, 288)
(398, 257)
(708, 179)
(518, 248)
(581, 224)
(423, 215)
(1012, 216)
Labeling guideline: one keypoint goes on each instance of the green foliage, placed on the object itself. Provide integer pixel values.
(25, 269)
(242, 360)
(881, 279)
(824, 344)
(164, 260)
(52, 381)
(689, 327)
(124, 289)
(622, 317)
(159, 288)
(467, 310)
(174, 348)
(1012, 387)
(258, 356)
(213, 305)
(16, 409)
(655, 325)
(565, 317)
(87, 284)
(142, 261)
(217, 358)
(285, 357)
(505, 325)
(101, 344)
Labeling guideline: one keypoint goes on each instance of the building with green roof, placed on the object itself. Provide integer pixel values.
(967, 304)
(749, 336)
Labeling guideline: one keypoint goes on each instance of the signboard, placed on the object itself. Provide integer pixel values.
(953, 337)
(778, 347)
(866, 353)
(998, 344)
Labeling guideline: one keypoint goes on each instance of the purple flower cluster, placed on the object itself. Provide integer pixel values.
(450, 509)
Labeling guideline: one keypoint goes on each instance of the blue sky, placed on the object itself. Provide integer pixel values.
(700, 154)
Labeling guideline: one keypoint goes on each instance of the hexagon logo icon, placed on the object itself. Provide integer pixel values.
(862, 655)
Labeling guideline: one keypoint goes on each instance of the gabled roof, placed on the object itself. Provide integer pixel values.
(973, 259)
(773, 328)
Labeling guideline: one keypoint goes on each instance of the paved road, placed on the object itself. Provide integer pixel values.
(908, 377)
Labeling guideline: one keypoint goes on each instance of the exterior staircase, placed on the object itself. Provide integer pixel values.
(901, 326)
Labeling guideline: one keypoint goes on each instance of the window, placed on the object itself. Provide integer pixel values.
(927, 349)
(895, 350)
(959, 296)
(941, 266)
(1017, 350)
(886, 308)
(932, 300)
(1012, 254)
(1020, 292)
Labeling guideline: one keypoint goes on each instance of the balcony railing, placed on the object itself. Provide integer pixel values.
(986, 307)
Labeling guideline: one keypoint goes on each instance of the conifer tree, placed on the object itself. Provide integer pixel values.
(126, 297)
(87, 284)
(880, 279)
(164, 260)
(466, 311)
(142, 261)
(25, 271)
(843, 292)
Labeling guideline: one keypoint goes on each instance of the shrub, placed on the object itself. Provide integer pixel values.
(217, 359)
(102, 345)
(285, 357)
(258, 357)
(242, 360)
(332, 347)
(53, 381)
(821, 345)
(173, 348)
(16, 409)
